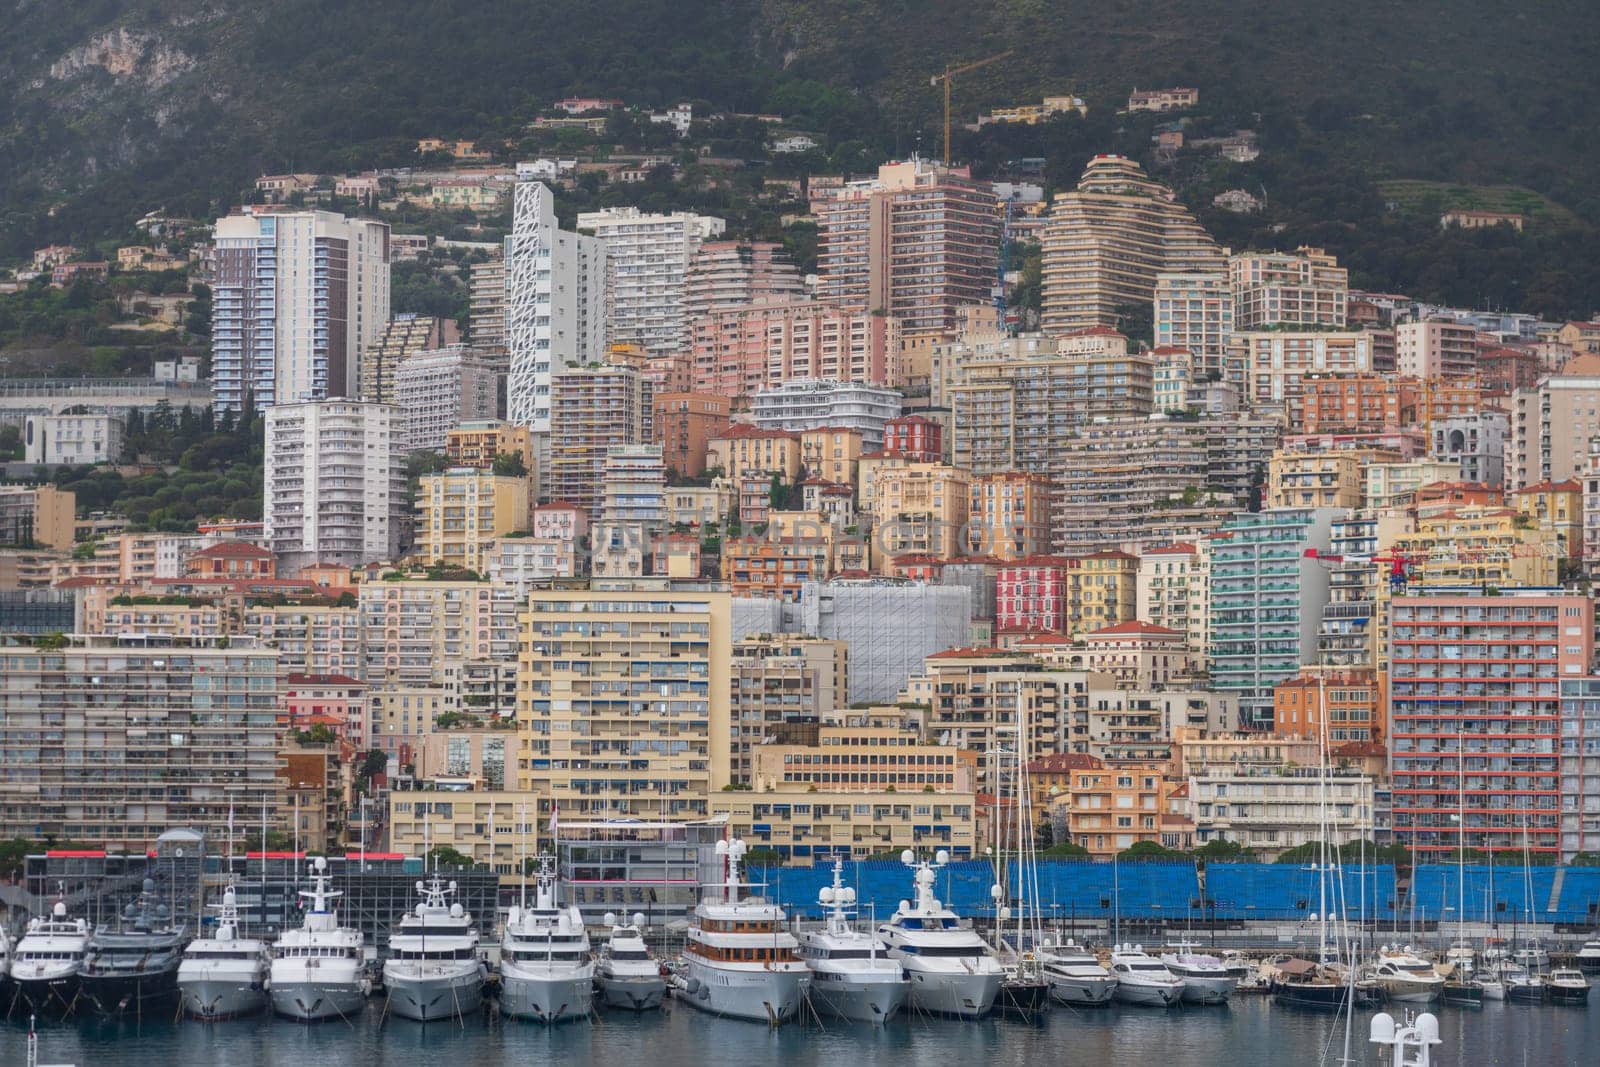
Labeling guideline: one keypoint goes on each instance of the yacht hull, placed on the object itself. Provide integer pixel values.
(967, 996)
(862, 1000)
(1588, 964)
(1082, 992)
(314, 1002)
(551, 999)
(632, 994)
(1207, 990)
(46, 994)
(430, 997)
(1573, 994)
(1312, 996)
(1150, 996)
(1404, 992)
(758, 995)
(150, 995)
(213, 998)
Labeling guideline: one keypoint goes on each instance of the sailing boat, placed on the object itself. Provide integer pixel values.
(1460, 988)
(1024, 990)
(1319, 984)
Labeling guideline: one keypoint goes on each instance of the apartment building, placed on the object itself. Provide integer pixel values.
(1323, 478)
(556, 304)
(831, 454)
(592, 410)
(739, 350)
(1009, 515)
(439, 389)
(623, 701)
(799, 824)
(684, 426)
(812, 404)
(1306, 287)
(1272, 811)
(1551, 426)
(916, 437)
(1337, 706)
(38, 515)
(415, 631)
(914, 243)
(486, 314)
(194, 736)
(1108, 239)
(1109, 809)
(1475, 711)
(335, 483)
(477, 443)
(1436, 348)
(1267, 601)
(1166, 593)
(296, 299)
(405, 336)
(1195, 312)
(461, 511)
(921, 509)
(891, 627)
(737, 274)
(647, 265)
(81, 439)
(1580, 766)
(784, 686)
(1277, 363)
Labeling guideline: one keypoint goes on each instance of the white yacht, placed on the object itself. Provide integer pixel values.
(1518, 982)
(1206, 979)
(739, 960)
(1588, 957)
(1143, 979)
(48, 961)
(317, 969)
(626, 974)
(224, 976)
(5, 961)
(1076, 975)
(1406, 977)
(852, 976)
(953, 971)
(433, 970)
(1567, 985)
(546, 967)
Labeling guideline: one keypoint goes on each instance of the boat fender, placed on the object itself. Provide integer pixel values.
(693, 985)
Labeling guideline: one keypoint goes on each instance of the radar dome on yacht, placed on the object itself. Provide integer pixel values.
(455, 910)
(826, 895)
(942, 857)
(59, 911)
(638, 918)
(320, 863)
(610, 918)
(995, 892)
(722, 848)
(908, 856)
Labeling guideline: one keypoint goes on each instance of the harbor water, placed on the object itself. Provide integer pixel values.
(1249, 1033)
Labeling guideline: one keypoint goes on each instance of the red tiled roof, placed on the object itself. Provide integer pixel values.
(558, 505)
(1059, 762)
(744, 432)
(969, 653)
(1135, 626)
(1359, 749)
(1097, 331)
(1569, 486)
(1183, 548)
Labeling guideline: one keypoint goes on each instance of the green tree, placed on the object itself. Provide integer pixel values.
(1146, 850)
(509, 464)
(446, 857)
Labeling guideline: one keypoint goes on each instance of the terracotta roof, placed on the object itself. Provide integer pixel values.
(969, 653)
(1044, 561)
(1177, 548)
(1058, 762)
(1111, 554)
(558, 505)
(745, 432)
(1135, 626)
(906, 420)
(1359, 749)
(83, 581)
(1569, 486)
(1096, 331)
(1054, 639)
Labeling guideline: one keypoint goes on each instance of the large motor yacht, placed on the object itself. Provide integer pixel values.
(317, 971)
(131, 968)
(953, 971)
(1406, 977)
(852, 976)
(739, 958)
(1143, 979)
(1206, 979)
(627, 975)
(433, 970)
(546, 966)
(1077, 976)
(224, 976)
(48, 960)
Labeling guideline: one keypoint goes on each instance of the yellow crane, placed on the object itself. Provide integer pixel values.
(951, 72)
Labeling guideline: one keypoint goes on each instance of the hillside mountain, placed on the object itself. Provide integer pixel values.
(109, 109)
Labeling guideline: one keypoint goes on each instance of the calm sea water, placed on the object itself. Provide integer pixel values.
(1249, 1033)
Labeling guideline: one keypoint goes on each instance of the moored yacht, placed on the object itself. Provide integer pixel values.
(1205, 978)
(1076, 976)
(1143, 979)
(1406, 977)
(952, 970)
(317, 969)
(1520, 983)
(1567, 985)
(433, 970)
(627, 975)
(1301, 983)
(739, 960)
(547, 970)
(224, 976)
(852, 976)
(1588, 957)
(48, 961)
(131, 969)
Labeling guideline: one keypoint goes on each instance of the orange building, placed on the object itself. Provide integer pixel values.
(233, 560)
(1371, 403)
(1009, 516)
(1352, 698)
(773, 569)
(685, 425)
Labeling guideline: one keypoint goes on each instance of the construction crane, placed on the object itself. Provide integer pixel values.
(951, 72)
(1398, 563)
